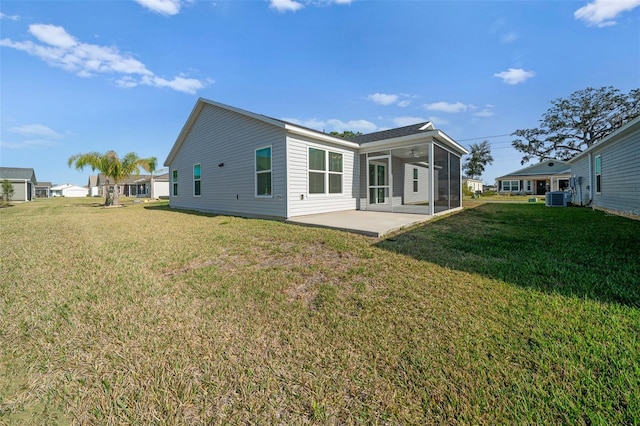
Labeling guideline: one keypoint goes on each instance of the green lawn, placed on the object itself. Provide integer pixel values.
(501, 314)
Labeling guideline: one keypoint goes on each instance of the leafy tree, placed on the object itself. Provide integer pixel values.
(7, 190)
(574, 124)
(346, 134)
(479, 157)
(110, 165)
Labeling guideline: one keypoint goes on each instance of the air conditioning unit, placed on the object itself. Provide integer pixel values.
(558, 199)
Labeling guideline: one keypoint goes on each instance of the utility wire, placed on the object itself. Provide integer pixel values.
(483, 137)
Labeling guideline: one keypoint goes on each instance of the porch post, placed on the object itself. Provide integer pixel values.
(432, 176)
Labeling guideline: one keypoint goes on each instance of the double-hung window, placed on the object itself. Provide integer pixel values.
(263, 172)
(511, 185)
(325, 171)
(196, 180)
(598, 174)
(415, 179)
(174, 181)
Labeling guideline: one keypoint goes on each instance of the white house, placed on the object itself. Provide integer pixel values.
(231, 161)
(607, 175)
(474, 185)
(69, 190)
(548, 175)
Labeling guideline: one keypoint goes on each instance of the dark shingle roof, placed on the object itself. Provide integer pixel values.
(17, 173)
(392, 133)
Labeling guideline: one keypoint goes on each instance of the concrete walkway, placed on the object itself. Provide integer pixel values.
(374, 224)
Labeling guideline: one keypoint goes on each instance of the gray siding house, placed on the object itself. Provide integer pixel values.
(23, 180)
(607, 174)
(232, 161)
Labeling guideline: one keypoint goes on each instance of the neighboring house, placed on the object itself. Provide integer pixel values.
(140, 186)
(94, 189)
(23, 180)
(69, 190)
(548, 175)
(607, 174)
(486, 188)
(475, 185)
(231, 161)
(43, 189)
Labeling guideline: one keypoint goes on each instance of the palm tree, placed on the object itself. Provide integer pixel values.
(151, 167)
(110, 165)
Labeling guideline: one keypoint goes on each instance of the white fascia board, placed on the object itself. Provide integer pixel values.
(319, 136)
(400, 142)
(408, 140)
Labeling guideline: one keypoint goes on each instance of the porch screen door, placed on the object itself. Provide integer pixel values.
(379, 172)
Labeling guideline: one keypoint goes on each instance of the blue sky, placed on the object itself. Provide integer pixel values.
(80, 76)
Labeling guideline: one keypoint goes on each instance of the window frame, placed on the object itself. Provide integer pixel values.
(510, 185)
(174, 183)
(197, 180)
(327, 173)
(259, 172)
(598, 173)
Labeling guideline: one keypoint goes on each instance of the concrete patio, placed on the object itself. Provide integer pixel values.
(374, 224)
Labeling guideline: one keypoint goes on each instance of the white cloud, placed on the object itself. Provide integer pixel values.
(60, 49)
(407, 121)
(363, 126)
(285, 5)
(336, 125)
(293, 5)
(10, 17)
(401, 100)
(35, 130)
(163, 7)
(447, 107)
(437, 121)
(383, 98)
(602, 13)
(515, 76)
(28, 144)
(485, 112)
(509, 37)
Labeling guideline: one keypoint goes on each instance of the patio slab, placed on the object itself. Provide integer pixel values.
(374, 224)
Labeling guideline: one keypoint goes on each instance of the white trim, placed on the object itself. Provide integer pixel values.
(193, 178)
(326, 172)
(596, 174)
(320, 136)
(255, 171)
(172, 189)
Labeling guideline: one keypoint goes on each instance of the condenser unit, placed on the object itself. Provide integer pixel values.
(558, 199)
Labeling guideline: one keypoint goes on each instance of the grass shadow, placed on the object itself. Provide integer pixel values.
(165, 207)
(575, 251)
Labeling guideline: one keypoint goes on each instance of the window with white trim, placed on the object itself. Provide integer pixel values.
(264, 176)
(511, 185)
(325, 171)
(174, 181)
(415, 179)
(196, 180)
(598, 174)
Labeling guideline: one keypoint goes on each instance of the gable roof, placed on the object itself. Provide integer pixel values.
(292, 127)
(544, 168)
(393, 133)
(631, 126)
(44, 184)
(17, 173)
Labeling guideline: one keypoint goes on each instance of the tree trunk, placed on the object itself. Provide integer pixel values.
(106, 194)
(116, 194)
(151, 189)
